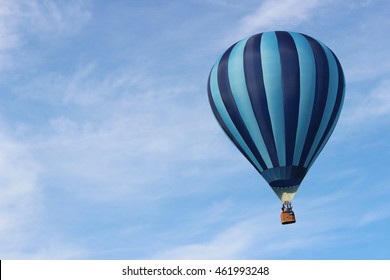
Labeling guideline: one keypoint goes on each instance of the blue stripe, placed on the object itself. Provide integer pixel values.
(224, 119)
(273, 87)
(231, 106)
(241, 98)
(257, 95)
(321, 91)
(307, 87)
(291, 90)
(336, 111)
(330, 102)
(226, 129)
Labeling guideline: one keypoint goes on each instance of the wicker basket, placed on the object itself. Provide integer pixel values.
(287, 218)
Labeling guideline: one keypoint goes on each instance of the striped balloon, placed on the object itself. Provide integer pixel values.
(278, 96)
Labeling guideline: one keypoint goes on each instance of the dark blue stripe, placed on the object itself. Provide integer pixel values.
(291, 90)
(223, 125)
(255, 86)
(231, 106)
(321, 93)
(289, 176)
(336, 109)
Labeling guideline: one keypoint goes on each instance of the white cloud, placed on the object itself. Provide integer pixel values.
(8, 37)
(20, 196)
(263, 237)
(377, 103)
(372, 107)
(19, 192)
(374, 216)
(323, 222)
(277, 14)
(42, 19)
(228, 244)
(60, 18)
(131, 135)
(120, 129)
(8, 20)
(269, 16)
(22, 208)
(359, 45)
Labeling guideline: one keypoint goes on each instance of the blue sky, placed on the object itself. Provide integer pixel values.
(109, 149)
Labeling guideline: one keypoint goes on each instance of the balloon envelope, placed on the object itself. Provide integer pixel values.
(278, 96)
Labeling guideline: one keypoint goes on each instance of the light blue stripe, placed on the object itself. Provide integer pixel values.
(225, 115)
(307, 89)
(272, 75)
(330, 131)
(242, 100)
(330, 101)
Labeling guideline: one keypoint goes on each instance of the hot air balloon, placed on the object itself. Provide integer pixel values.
(278, 96)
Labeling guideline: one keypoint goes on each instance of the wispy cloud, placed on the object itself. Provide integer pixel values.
(371, 108)
(126, 126)
(277, 15)
(374, 216)
(228, 244)
(56, 18)
(20, 20)
(24, 234)
(19, 190)
(263, 237)
(323, 222)
(125, 131)
(8, 38)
